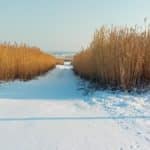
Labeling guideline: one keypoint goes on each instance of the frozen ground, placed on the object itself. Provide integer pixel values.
(57, 112)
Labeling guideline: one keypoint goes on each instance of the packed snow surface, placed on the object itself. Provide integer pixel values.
(60, 112)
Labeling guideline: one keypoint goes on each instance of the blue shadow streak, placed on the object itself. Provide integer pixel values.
(57, 84)
(73, 118)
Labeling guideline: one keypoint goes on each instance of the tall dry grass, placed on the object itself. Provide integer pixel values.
(117, 57)
(23, 62)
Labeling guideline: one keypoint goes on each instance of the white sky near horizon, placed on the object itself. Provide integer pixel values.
(65, 25)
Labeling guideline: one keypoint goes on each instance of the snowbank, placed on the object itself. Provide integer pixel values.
(59, 112)
(63, 134)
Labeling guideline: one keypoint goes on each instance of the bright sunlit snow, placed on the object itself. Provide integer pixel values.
(58, 112)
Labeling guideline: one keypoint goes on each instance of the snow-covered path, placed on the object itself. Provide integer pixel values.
(58, 84)
(53, 114)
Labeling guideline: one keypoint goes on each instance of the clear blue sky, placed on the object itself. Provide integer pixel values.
(55, 25)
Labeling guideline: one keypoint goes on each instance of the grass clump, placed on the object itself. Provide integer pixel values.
(23, 62)
(117, 57)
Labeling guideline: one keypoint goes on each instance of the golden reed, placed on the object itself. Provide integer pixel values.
(117, 57)
(23, 62)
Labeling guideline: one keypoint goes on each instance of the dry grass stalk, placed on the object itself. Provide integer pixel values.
(23, 62)
(118, 57)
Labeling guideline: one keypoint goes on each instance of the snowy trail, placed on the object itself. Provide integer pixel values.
(51, 113)
(58, 84)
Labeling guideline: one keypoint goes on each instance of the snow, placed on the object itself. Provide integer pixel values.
(58, 112)
(58, 84)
